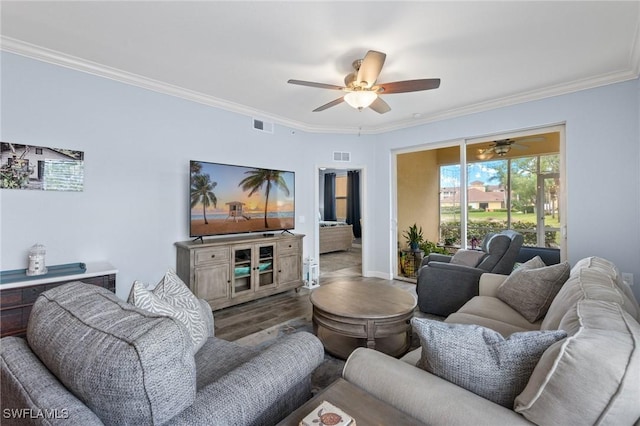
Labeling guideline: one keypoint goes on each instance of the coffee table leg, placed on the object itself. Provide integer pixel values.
(371, 334)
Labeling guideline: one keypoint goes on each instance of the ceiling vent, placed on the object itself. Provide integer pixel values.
(263, 126)
(342, 156)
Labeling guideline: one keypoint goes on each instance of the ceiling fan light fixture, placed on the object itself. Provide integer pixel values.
(484, 154)
(360, 99)
(501, 150)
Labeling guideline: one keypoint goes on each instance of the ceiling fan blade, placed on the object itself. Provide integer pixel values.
(371, 67)
(410, 85)
(518, 143)
(314, 84)
(380, 106)
(329, 105)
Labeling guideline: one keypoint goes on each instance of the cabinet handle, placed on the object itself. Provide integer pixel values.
(290, 246)
(213, 255)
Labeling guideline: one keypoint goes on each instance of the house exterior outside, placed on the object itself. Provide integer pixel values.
(479, 196)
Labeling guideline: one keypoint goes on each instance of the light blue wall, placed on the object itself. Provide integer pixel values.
(137, 146)
(602, 157)
(138, 143)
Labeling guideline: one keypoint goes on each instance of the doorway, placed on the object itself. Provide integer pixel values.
(339, 233)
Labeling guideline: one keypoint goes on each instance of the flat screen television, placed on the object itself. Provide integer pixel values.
(229, 199)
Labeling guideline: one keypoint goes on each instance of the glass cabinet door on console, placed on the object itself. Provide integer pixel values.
(253, 268)
(264, 270)
(242, 274)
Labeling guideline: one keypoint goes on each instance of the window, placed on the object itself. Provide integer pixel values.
(519, 193)
(460, 192)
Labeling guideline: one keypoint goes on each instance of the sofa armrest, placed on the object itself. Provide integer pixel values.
(489, 284)
(435, 257)
(27, 387)
(246, 395)
(444, 288)
(422, 395)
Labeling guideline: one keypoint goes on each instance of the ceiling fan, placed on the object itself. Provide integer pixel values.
(361, 88)
(502, 146)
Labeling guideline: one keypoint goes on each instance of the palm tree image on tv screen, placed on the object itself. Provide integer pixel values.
(230, 199)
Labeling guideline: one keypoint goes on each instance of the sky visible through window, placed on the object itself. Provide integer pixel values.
(484, 171)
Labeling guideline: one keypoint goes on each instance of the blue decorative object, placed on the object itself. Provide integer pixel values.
(244, 270)
(18, 275)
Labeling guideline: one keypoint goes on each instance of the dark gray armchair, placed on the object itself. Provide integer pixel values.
(444, 287)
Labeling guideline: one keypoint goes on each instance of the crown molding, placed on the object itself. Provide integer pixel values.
(68, 61)
(54, 57)
(563, 89)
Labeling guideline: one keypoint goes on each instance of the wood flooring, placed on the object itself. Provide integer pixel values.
(252, 317)
(242, 320)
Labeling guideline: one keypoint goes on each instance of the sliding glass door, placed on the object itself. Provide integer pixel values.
(458, 194)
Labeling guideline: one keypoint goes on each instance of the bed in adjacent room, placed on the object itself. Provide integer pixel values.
(335, 236)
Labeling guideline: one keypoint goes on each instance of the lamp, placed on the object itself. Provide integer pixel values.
(360, 99)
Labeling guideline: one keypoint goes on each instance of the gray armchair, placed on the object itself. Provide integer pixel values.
(92, 359)
(444, 287)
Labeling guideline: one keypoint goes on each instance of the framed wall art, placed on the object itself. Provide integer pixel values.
(40, 168)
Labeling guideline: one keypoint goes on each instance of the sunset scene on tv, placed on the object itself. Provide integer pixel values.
(228, 199)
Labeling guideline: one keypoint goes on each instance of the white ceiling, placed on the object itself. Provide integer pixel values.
(239, 55)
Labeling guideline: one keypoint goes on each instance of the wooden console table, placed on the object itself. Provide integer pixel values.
(232, 270)
(17, 297)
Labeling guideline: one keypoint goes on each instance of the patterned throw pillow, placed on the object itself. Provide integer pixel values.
(480, 359)
(530, 289)
(172, 297)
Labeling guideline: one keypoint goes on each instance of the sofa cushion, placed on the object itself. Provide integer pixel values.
(530, 290)
(495, 309)
(467, 257)
(609, 268)
(128, 365)
(590, 377)
(584, 284)
(173, 298)
(480, 359)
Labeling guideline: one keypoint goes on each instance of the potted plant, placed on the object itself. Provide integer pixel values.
(428, 247)
(414, 237)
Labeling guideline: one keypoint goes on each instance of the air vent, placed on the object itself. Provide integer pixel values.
(341, 156)
(263, 126)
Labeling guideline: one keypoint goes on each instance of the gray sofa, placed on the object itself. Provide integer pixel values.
(92, 359)
(590, 377)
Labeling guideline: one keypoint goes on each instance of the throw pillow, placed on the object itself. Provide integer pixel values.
(534, 262)
(467, 257)
(480, 359)
(172, 297)
(530, 289)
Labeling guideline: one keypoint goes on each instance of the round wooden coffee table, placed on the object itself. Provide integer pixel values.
(347, 315)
